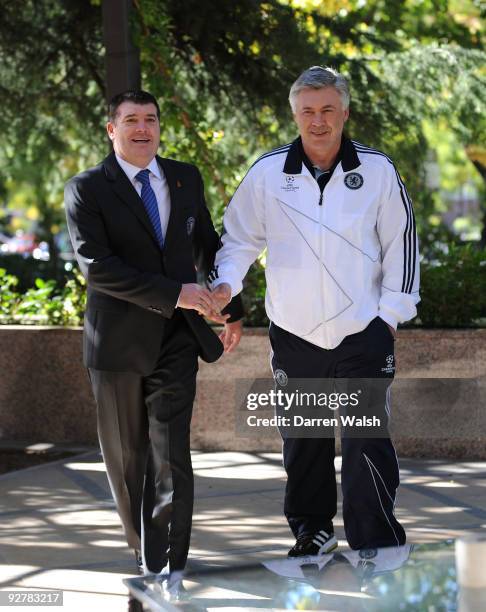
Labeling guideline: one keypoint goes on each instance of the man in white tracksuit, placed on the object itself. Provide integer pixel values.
(341, 273)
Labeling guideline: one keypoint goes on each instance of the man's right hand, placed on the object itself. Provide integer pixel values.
(195, 297)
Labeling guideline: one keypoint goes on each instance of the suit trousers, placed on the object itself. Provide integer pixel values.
(144, 433)
(370, 472)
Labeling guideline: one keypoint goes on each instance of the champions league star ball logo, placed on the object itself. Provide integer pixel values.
(290, 184)
(353, 180)
(281, 378)
(389, 365)
(190, 223)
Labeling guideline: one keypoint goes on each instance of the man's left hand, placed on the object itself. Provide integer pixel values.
(392, 330)
(217, 317)
(222, 295)
(230, 336)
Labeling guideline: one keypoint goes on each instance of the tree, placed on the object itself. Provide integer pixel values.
(222, 71)
(52, 77)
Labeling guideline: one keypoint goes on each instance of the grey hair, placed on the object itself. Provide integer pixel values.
(317, 77)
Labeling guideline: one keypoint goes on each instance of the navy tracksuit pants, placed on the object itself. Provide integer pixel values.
(370, 473)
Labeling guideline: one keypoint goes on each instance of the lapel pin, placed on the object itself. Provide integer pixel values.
(178, 183)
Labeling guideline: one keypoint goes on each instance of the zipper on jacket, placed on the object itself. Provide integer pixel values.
(321, 287)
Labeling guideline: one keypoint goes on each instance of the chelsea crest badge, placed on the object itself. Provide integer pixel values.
(190, 223)
(353, 180)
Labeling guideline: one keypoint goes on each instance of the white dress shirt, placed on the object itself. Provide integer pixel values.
(158, 183)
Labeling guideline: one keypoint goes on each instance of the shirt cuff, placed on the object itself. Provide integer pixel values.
(178, 298)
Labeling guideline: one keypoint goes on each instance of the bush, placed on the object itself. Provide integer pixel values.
(453, 288)
(44, 304)
(28, 269)
(453, 292)
(253, 297)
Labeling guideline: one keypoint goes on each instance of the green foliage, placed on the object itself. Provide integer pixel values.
(50, 52)
(44, 304)
(221, 71)
(453, 288)
(453, 292)
(439, 81)
(8, 294)
(28, 269)
(254, 297)
(434, 239)
(52, 82)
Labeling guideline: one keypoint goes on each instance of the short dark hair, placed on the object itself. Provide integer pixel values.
(137, 96)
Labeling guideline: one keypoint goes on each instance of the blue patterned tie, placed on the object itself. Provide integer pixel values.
(150, 203)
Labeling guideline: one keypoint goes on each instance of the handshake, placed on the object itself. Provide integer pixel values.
(207, 303)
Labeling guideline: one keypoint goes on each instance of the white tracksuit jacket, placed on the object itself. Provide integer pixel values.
(333, 263)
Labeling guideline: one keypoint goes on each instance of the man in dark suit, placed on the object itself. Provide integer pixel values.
(141, 232)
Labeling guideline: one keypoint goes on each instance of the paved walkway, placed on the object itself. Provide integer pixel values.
(59, 529)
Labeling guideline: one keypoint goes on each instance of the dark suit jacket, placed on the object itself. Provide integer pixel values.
(133, 286)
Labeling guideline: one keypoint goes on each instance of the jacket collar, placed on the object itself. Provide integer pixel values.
(132, 171)
(127, 193)
(114, 171)
(124, 189)
(296, 157)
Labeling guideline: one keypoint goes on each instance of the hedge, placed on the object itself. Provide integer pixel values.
(453, 294)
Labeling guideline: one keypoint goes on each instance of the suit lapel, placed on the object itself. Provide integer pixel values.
(127, 193)
(176, 200)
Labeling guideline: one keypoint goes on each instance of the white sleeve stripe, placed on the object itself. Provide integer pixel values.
(409, 235)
